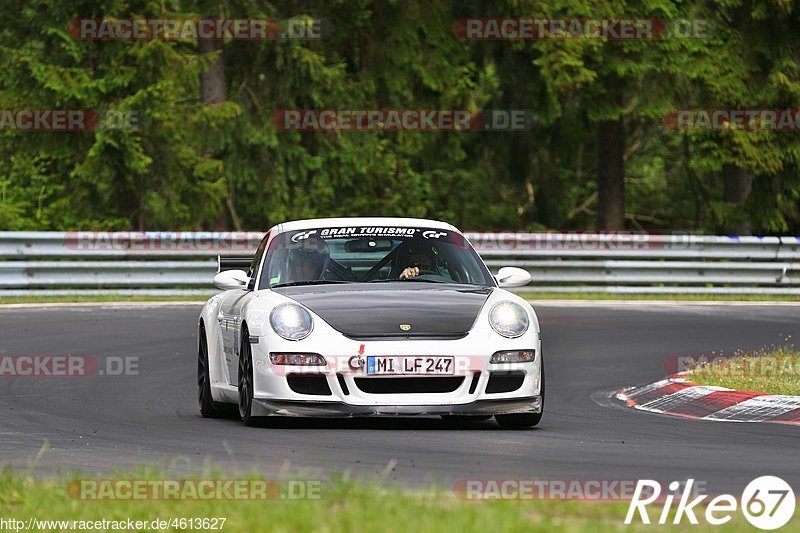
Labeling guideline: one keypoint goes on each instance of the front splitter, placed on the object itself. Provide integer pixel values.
(531, 404)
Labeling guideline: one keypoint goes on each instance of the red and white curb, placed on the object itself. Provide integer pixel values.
(679, 397)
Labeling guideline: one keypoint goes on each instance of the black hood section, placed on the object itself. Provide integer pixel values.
(376, 312)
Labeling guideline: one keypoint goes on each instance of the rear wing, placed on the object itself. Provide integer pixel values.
(233, 263)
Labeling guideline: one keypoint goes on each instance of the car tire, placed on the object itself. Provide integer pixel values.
(245, 383)
(522, 420)
(208, 407)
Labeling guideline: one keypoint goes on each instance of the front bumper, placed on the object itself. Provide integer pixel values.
(345, 390)
(344, 410)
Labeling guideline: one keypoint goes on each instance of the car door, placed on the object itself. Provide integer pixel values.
(231, 312)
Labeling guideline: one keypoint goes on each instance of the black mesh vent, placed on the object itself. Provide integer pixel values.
(409, 385)
(504, 382)
(309, 384)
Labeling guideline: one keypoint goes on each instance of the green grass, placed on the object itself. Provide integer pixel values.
(343, 506)
(774, 371)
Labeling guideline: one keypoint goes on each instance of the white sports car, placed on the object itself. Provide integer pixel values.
(345, 317)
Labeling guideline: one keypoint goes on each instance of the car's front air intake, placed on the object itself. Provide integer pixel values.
(316, 384)
(504, 382)
(426, 385)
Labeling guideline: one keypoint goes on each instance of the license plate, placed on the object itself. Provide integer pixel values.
(409, 365)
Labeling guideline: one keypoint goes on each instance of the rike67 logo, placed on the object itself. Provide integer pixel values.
(767, 503)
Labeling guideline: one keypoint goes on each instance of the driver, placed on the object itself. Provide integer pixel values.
(308, 262)
(420, 261)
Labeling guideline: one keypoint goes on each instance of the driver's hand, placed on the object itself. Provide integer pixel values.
(410, 273)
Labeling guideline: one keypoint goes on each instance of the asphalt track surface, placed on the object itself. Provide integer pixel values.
(102, 424)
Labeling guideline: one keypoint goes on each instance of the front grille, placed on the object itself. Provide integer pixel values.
(424, 385)
(504, 382)
(315, 384)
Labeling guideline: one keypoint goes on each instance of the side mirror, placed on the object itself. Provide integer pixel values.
(231, 279)
(512, 277)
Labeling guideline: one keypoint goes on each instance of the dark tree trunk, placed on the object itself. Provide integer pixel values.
(611, 174)
(519, 164)
(737, 183)
(212, 91)
(212, 81)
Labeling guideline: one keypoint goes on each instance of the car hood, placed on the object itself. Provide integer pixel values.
(378, 311)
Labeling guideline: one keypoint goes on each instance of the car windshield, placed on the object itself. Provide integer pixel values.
(370, 255)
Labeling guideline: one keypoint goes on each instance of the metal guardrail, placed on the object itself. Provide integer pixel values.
(184, 262)
(47, 274)
(123, 244)
(634, 246)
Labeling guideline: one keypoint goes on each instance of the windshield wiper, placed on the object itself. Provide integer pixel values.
(309, 282)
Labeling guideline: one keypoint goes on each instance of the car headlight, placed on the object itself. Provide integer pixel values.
(509, 319)
(291, 322)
